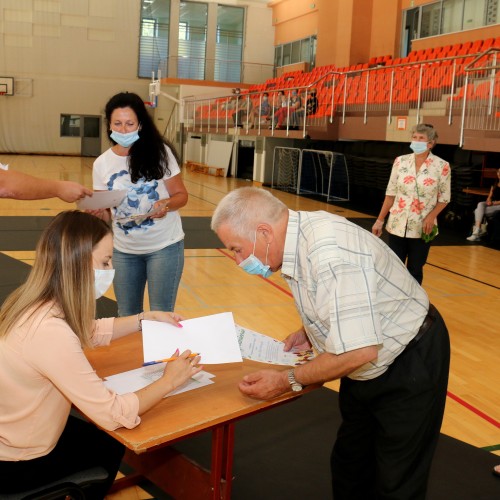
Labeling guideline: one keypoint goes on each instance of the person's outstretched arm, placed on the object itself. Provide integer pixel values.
(20, 186)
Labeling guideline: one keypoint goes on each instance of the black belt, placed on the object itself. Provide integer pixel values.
(425, 327)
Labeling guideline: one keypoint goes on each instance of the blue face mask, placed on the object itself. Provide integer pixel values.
(252, 265)
(125, 140)
(418, 147)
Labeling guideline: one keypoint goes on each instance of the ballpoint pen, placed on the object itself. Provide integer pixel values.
(166, 360)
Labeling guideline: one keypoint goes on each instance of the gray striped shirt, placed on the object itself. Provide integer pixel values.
(350, 289)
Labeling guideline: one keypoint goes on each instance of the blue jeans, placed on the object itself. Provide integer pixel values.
(162, 270)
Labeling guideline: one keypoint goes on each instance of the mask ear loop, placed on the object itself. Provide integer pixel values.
(254, 242)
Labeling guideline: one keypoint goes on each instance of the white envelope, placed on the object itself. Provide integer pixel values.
(102, 199)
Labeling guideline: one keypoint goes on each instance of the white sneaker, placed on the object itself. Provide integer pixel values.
(474, 237)
(476, 234)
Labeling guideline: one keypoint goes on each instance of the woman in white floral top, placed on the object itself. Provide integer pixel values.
(418, 190)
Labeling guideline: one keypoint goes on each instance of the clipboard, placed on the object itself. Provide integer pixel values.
(102, 199)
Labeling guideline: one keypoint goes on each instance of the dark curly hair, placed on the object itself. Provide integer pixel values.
(147, 158)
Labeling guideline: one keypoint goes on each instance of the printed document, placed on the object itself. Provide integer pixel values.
(259, 347)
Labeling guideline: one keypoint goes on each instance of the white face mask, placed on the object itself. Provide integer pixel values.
(102, 281)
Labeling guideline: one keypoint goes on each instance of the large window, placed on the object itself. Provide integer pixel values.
(229, 43)
(191, 60)
(295, 52)
(449, 16)
(153, 42)
(192, 40)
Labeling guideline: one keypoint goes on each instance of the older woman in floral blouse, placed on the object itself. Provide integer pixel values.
(419, 189)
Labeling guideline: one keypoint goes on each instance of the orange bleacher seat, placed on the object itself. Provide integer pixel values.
(454, 50)
(465, 49)
(482, 91)
(420, 54)
(476, 46)
(487, 44)
(437, 53)
(461, 93)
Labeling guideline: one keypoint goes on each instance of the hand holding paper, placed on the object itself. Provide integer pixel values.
(102, 199)
(214, 336)
(259, 347)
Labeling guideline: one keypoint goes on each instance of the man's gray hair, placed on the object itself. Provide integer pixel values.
(244, 208)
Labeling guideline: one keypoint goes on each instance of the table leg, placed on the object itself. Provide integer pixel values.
(221, 473)
(181, 477)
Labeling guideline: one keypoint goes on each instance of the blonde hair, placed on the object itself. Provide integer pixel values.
(245, 208)
(62, 273)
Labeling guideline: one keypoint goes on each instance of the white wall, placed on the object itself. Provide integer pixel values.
(77, 54)
(259, 43)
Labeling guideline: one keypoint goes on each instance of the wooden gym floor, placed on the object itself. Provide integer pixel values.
(462, 281)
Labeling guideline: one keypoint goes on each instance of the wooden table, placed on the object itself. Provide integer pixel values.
(477, 190)
(215, 407)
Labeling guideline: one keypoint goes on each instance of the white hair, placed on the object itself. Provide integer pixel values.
(244, 208)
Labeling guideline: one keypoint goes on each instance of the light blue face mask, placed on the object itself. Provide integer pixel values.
(125, 140)
(252, 265)
(418, 147)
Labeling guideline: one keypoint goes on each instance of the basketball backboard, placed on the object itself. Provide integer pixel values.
(6, 85)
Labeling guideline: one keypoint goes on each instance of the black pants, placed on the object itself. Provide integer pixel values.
(390, 425)
(413, 252)
(81, 445)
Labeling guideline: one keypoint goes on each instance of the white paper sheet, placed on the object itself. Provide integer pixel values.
(137, 379)
(214, 337)
(259, 347)
(102, 199)
(4, 167)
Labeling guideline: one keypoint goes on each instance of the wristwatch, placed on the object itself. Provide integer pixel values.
(296, 387)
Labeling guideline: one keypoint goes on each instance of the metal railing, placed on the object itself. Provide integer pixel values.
(199, 68)
(481, 94)
(444, 84)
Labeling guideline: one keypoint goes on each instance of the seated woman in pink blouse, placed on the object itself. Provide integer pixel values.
(44, 326)
(418, 190)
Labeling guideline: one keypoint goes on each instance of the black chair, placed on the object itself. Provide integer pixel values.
(72, 486)
(493, 234)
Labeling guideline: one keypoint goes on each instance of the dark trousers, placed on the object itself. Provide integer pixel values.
(390, 425)
(413, 252)
(81, 446)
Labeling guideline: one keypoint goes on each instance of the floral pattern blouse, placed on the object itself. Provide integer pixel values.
(416, 194)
